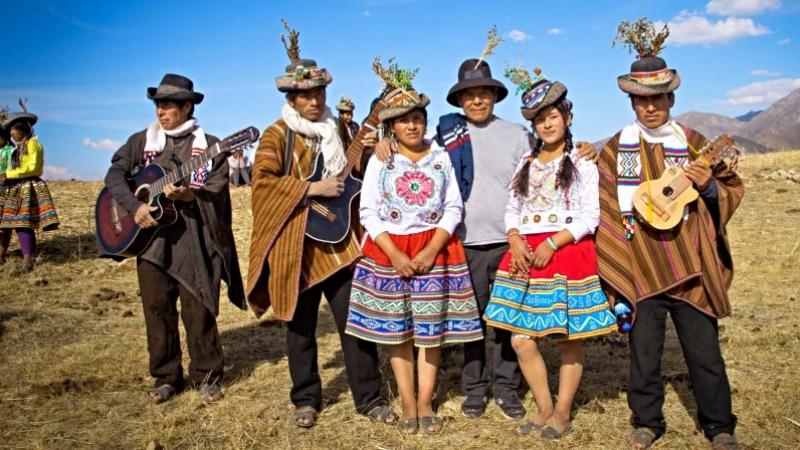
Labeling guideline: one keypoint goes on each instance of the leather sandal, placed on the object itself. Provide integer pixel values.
(305, 416)
(435, 422)
(642, 438)
(408, 427)
(210, 393)
(724, 441)
(382, 414)
(161, 394)
(528, 428)
(549, 432)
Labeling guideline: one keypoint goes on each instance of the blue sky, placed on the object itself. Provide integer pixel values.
(84, 66)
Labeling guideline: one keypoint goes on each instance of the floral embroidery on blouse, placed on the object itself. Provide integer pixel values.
(415, 188)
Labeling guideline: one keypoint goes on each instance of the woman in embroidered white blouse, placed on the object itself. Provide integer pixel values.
(547, 284)
(412, 288)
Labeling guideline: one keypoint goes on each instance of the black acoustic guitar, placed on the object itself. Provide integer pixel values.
(117, 232)
(329, 218)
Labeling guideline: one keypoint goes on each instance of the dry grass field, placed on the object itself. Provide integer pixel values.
(73, 359)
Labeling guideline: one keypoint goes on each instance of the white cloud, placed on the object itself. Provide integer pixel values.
(57, 173)
(784, 41)
(518, 35)
(762, 93)
(102, 144)
(555, 31)
(764, 73)
(688, 28)
(741, 7)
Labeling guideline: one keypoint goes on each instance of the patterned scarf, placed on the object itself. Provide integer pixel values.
(452, 134)
(629, 160)
(156, 140)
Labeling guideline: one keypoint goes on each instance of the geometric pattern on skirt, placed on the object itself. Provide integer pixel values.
(434, 309)
(27, 203)
(563, 300)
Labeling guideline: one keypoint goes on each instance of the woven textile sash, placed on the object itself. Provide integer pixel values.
(452, 134)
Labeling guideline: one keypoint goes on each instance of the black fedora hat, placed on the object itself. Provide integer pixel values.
(470, 76)
(175, 87)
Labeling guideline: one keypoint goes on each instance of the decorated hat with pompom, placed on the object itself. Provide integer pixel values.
(301, 74)
(649, 74)
(537, 91)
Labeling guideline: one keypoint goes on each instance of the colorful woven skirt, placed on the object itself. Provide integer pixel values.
(563, 300)
(433, 309)
(27, 203)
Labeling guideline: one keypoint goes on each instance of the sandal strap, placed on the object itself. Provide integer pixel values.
(382, 413)
(643, 436)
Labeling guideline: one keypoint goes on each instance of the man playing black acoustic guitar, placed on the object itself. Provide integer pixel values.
(189, 258)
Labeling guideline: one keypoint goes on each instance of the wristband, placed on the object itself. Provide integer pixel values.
(552, 243)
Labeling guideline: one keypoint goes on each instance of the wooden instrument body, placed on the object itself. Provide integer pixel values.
(661, 202)
(117, 232)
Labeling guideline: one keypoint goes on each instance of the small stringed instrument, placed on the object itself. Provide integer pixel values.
(661, 202)
(117, 232)
(329, 217)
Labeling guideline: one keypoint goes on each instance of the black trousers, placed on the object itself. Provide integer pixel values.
(698, 336)
(160, 293)
(475, 377)
(360, 357)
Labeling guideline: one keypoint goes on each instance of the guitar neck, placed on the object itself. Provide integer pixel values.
(185, 169)
(356, 148)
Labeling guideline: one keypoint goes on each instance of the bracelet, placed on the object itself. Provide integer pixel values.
(552, 243)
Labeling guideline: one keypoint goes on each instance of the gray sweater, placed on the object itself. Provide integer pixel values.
(497, 147)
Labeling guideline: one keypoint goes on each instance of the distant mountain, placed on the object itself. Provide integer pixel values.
(779, 125)
(748, 116)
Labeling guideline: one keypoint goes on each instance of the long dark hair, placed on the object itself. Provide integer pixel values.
(20, 149)
(566, 172)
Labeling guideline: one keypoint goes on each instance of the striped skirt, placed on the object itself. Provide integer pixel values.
(433, 309)
(564, 300)
(27, 203)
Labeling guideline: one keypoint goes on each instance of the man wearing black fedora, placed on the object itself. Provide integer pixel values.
(683, 272)
(188, 259)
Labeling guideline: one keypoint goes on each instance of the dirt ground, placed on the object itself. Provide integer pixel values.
(73, 358)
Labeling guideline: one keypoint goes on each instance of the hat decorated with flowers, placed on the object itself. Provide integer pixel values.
(649, 74)
(345, 104)
(301, 74)
(537, 91)
(401, 97)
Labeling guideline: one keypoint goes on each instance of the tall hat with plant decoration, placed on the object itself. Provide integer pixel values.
(23, 115)
(649, 74)
(537, 91)
(301, 74)
(345, 104)
(401, 97)
(477, 73)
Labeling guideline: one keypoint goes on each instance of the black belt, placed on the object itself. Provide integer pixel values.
(486, 246)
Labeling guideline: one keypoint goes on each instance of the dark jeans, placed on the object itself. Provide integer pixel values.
(698, 336)
(475, 377)
(160, 293)
(360, 357)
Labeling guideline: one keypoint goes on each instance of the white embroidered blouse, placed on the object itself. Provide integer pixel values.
(548, 209)
(404, 197)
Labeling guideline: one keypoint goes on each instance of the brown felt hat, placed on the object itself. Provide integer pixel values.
(176, 88)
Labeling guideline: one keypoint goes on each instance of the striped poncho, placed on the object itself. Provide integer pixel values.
(691, 262)
(283, 262)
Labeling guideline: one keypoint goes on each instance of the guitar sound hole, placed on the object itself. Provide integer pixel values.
(667, 191)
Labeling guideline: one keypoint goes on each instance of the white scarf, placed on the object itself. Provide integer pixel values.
(629, 161)
(156, 140)
(324, 129)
